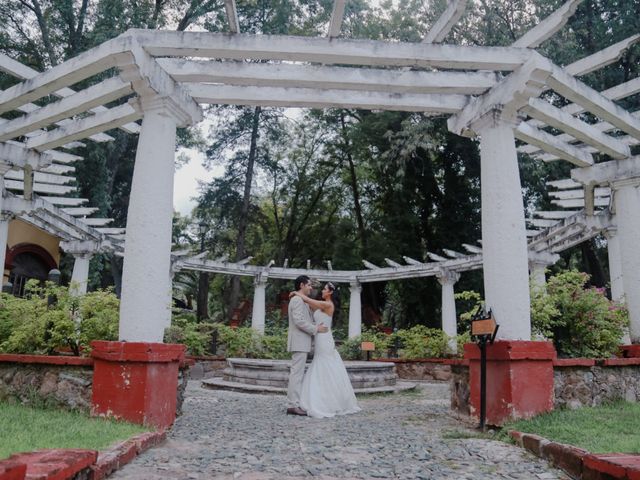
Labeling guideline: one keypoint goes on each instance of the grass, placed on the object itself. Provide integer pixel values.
(605, 429)
(26, 429)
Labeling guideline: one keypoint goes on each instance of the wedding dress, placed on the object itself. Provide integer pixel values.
(326, 388)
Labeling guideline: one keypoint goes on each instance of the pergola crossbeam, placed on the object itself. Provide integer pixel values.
(601, 58)
(337, 14)
(232, 16)
(441, 28)
(547, 27)
(549, 143)
(326, 77)
(316, 98)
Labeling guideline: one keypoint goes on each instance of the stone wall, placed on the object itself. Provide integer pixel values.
(585, 382)
(207, 367)
(577, 382)
(431, 369)
(460, 388)
(62, 381)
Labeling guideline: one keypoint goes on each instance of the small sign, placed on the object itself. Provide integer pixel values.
(485, 326)
(367, 346)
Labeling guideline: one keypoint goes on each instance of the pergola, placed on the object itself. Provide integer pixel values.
(493, 93)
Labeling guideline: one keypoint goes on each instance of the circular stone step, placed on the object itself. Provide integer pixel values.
(272, 376)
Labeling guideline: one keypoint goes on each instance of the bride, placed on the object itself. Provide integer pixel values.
(326, 388)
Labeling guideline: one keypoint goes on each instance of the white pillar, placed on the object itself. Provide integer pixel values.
(80, 275)
(4, 232)
(627, 213)
(538, 276)
(504, 245)
(145, 308)
(449, 318)
(258, 313)
(355, 310)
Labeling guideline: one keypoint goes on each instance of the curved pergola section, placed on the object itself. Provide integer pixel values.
(493, 93)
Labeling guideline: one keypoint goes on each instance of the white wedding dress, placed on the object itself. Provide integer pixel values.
(326, 388)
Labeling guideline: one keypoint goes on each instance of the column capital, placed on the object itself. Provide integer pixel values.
(261, 279)
(632, 182)
(7, 216)
(447, 277)
(81, 248)
(610, 232)
(167, 106)
(497, 116)
(542, 259)
(355, 286)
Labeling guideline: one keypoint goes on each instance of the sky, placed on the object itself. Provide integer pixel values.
(185, 183)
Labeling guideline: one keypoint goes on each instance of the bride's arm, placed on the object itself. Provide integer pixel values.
(315, 304)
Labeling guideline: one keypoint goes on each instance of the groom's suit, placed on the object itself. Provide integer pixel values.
(301, 331)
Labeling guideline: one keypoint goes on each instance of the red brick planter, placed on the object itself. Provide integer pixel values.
(136, 381)
(519, 379)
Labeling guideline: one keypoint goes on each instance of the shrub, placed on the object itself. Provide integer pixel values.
(581, 321)
(31, 325)
(186, 329)
(350, 348)
(423, 342)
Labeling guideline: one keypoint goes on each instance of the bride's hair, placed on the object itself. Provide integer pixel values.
(335, 298)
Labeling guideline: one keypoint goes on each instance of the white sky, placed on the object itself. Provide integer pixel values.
(185, 183)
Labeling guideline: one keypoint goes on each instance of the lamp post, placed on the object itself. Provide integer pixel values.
(202, 307)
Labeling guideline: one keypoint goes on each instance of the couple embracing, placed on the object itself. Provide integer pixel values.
(325, 390)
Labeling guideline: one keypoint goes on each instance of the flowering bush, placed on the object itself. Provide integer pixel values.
(581, 321)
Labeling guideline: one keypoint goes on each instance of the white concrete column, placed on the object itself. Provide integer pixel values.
(615, 274)
(145, 308)
(449, 318)
(80, 275)
(355, 310)
(538, 276)
(4, 232)
(259, 312)
(504, 245)
(627, 213)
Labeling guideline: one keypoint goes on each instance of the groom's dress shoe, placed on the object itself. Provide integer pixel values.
(296, 411)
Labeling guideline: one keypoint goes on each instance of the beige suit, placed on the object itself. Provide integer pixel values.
(301, 331)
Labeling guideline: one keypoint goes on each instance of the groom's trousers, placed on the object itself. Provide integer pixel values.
(296, 374)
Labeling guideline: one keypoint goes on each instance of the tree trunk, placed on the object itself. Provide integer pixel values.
(202, 308)
(246, 203)
(592, 264)
(116, 271)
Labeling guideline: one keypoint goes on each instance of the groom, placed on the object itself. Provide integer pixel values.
(301, 331)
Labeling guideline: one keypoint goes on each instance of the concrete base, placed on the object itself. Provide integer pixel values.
(272, 376)
(519, 379)
(136, 381)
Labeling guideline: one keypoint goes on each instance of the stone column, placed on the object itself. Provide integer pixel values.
(627, 205)
(504, 245)
(80, 275)
(449, 318)
(4, 232)
(258, 313)
(355, 310)
(145, 309)
(538, 276)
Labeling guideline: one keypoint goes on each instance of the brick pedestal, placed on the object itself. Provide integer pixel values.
(519, 379)
(136, 381)
(630, 351)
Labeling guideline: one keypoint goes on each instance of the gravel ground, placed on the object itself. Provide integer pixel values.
(228, 435)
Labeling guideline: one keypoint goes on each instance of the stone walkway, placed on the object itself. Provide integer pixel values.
(228, 435)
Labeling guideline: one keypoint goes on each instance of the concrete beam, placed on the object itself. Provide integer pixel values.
(607, 172)
(327, 77)
(601, 58)
(441, 28)
(552, 144)
(232, 16)
(315, 98)
(334, 51)
(337, 15)
(547, 27)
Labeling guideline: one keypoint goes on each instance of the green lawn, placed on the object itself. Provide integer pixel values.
(606, 429)
(23, 429)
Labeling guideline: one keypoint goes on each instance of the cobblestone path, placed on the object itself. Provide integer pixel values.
(227, 435)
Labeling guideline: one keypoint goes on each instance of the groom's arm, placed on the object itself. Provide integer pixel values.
(299, 318)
